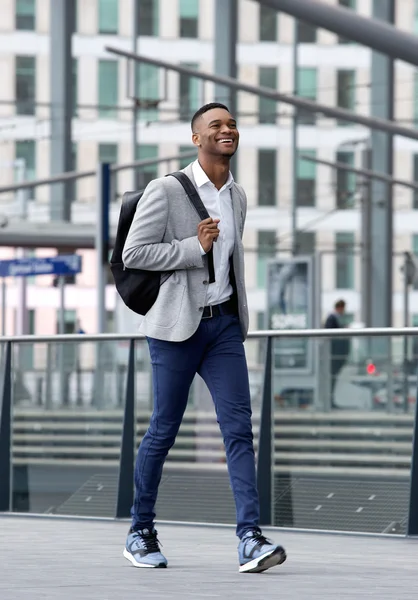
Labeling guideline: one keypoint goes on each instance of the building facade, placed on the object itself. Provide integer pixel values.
(330, 70)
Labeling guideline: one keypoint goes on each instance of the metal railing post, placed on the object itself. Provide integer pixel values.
(412, 529)
(265, 463)
(126, 463)
(6, 430)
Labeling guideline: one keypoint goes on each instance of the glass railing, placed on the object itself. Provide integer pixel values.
(336, 457)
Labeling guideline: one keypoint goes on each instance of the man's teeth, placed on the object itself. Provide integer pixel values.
(223, 141)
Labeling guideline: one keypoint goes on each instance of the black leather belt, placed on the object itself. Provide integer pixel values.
(226, 308)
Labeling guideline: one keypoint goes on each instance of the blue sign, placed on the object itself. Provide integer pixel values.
(63, 264)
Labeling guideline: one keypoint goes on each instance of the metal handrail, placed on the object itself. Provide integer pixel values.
(73, 175)
(268, 333)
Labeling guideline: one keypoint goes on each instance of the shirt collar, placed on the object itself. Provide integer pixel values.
(201, 178)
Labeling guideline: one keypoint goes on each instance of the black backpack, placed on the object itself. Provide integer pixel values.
(138, 288)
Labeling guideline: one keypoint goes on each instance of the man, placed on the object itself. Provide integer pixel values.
(339, 347)
(197, 327)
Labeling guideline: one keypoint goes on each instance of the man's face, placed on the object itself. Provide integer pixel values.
(341, 310)
(216, 133)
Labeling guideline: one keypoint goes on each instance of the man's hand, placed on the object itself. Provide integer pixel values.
(207, 233)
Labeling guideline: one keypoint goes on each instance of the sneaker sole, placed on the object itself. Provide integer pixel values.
(132, 560)
(262, 563)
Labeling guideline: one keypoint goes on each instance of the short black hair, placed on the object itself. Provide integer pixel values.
(339, 304)
(205, 109)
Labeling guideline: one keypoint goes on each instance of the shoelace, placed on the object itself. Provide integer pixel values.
(150, 541)
(259, 539)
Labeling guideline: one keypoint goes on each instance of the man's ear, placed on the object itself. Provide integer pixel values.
(196, 139)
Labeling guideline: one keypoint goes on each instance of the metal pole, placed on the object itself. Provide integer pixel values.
(135, 107)
(406, 324)
(295, 142)
(61, 104)
(226, 26)
(102, 241)
(61, 349)
(365, 241)
(371, 33)
(3, 306)
(265, 459)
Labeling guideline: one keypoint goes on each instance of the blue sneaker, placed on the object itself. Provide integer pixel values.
(256, 553)
(142, 549)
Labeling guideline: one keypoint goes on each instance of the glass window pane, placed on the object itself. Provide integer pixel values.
(189, 100)
(306, 33)
(25, 85)
(305, 243)
(108, 153)
(306, 179)
(268, 24)
(108, 16)
(346, 91)
(26, 15)
(344, 268)
(346, 182)
(186, 161)
(26, 151)
(306, 88)
(267, 108)
(148, 16)
(148, 91)
(266, 248)
(150, 172)
(415, 159)
(267, 160)
(346, 4)
(108, 88)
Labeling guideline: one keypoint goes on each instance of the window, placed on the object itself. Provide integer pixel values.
(346, 4)
(108, 88)
(346, 91)
(74, 17)
(189, 94)
(306, 180)
(186, 161)
(415, 253)
(148, 17)
(266, 169)
(416, 98)
(344, 260)
(25, 85)
(70, 319)
(306, 33)
(346, 182)
(189, 18)
(108, 16)
(108, 153)
(305, 243)
(266, 249)
(25, 15)
(415, 168)
(75, 86)
(148, 91)
(150, 172)
(306, 88)
(26, 152)
(267, 77)
(268, 24)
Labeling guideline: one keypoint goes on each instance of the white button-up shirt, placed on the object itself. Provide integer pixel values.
(218, 203)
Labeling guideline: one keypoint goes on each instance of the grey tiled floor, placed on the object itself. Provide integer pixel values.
(63, 559)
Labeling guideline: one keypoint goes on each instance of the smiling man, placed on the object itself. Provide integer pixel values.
(197, 325)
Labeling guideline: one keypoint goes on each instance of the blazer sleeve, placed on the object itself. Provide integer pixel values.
(144, 248)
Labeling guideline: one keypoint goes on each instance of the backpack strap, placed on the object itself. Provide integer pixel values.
(196, 200)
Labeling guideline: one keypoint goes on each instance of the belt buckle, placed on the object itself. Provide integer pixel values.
(211, 312)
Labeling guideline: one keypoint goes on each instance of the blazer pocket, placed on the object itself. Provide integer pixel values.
(167, 308)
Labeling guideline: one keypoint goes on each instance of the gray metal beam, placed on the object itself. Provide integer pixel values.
(381, 233)
(61, 105)
(367, 173)
(302, 103)
(372, 33)
(226, 21)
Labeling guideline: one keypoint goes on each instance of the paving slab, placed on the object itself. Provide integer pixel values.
(52, 558)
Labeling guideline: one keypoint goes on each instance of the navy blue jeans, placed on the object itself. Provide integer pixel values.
(216, 352)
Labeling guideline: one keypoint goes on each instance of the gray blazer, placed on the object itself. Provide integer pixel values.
(163, 237)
